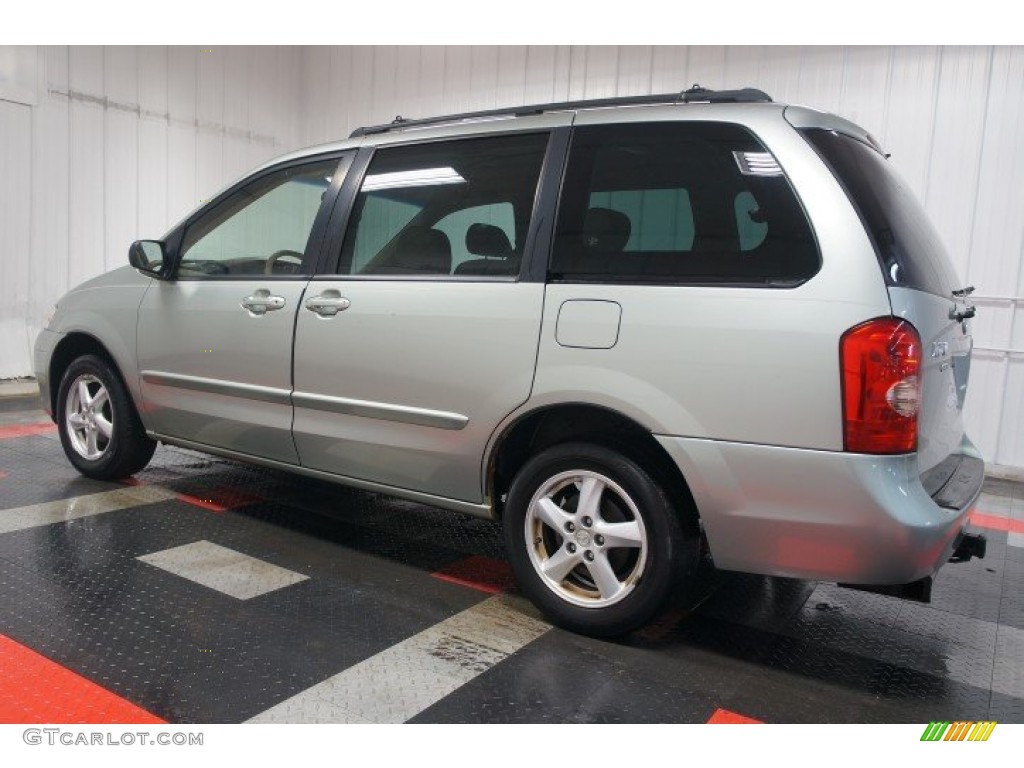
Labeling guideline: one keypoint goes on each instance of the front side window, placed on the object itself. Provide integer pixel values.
(683, 202)
(451, 208)
(261, 229)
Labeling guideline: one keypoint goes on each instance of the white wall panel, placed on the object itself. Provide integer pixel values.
(152, 79)
(110, 151)
(510, 78)
(634, 70)
(960, 111)
(152, 189)
(15, 240)
(601, 69)
(742, 66)
(121, 186)
(864, 95)
(407, 83)
(910, 122)
(705, 66)
(483, 76)
(50, 140)
(669, 68)
(359, 106)
(120, 74)
(457, 87)
(547, 74)
(85, 257)
(235, 112)
(1011, 433)
(385, 79)
(997, 237)
(987, 388)
(779, 74)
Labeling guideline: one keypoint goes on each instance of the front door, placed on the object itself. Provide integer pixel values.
(215, 342)
(408, 357)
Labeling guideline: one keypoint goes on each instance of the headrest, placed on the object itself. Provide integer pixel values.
(605, 230)
(488, 240)
(421, 249)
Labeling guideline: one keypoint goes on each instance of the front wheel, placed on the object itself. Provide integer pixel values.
(99, 429)
(594, 540)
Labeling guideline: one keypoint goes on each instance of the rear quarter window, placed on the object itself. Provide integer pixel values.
(683, 202)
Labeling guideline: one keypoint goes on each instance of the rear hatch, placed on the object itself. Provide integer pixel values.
(923, 289)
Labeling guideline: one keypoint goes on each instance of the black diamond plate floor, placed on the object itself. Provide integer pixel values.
(214, 592)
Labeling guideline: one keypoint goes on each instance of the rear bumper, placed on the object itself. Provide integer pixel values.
(822, 515)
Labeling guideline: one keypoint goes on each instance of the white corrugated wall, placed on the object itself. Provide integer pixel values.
(124, 141)
(113, 143)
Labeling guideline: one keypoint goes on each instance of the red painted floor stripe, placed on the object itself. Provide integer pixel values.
(25, 430)
(724, 716)
(995, 523)
(221, 499)
(34, 689)
(207, 503)
(482, 573)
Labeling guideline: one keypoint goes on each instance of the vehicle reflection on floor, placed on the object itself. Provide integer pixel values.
(205, 590)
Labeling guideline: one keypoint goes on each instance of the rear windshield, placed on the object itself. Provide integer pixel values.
(909, 249)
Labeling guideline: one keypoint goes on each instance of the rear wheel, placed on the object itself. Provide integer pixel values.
(99, 429)
(594, 540)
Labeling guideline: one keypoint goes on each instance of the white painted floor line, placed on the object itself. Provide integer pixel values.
(62, 510)
(1015, 539)
(233, 573)
(402, 681)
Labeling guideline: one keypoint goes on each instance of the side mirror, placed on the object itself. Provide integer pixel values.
(148, 257)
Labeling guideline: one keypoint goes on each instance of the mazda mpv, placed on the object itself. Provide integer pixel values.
(637, 331)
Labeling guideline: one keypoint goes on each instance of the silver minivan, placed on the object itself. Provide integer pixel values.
(638, 331)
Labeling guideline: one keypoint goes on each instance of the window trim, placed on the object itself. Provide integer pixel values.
(314, 242)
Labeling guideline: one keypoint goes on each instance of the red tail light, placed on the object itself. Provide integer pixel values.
(881, 363)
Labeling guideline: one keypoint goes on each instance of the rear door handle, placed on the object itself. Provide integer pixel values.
(262, 302)
(327, 306)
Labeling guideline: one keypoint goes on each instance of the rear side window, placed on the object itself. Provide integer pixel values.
(909, 249)
(457, 208)
(679, 203)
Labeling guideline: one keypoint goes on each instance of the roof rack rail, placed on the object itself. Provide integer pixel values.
(694, 95)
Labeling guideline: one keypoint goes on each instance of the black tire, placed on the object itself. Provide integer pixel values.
(662, 561)
(127, 449)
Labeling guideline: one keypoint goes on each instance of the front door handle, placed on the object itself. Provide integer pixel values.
(262, 302)
(327, 305)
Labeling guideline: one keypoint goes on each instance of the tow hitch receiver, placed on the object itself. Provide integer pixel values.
(970, 545)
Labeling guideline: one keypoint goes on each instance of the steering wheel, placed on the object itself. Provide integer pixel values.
(272, 259)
